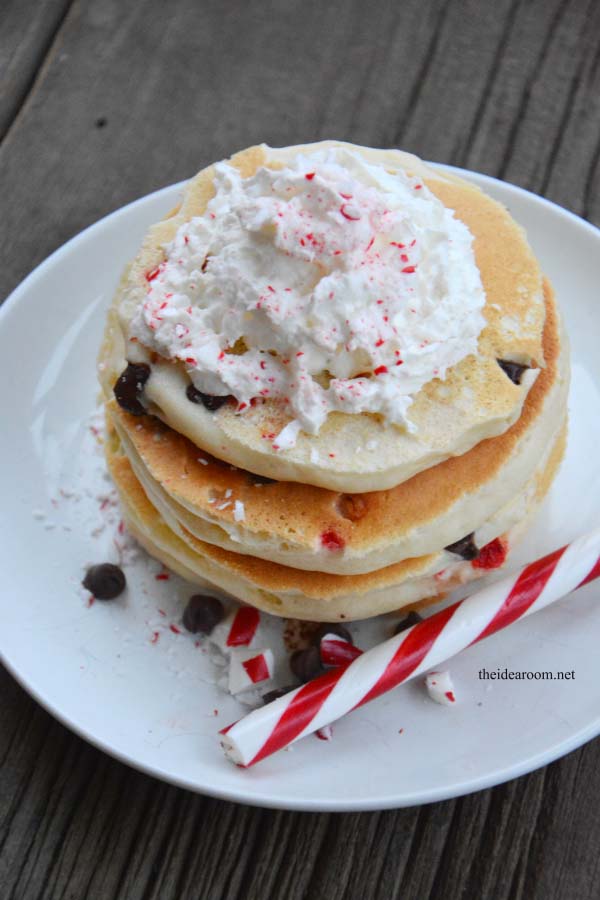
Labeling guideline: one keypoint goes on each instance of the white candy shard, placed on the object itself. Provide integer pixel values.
(287, 436)
(220, 633)
(440, 688)
(325, 733)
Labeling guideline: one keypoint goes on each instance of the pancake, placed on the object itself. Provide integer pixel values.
(315, 596)
(357, 453)
(285, 522)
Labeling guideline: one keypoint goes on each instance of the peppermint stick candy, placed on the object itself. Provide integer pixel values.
(412, 652)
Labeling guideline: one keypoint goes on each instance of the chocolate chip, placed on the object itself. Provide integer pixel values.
(129, 386)
(306, 664)
(352, 506)
(279, 692)
(210, 401)
(105, 581)
(202, 613)
(466, 547)
(331, 628)
(514, 370)
(413, 618)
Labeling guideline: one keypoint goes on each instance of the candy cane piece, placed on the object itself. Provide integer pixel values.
(412, 652)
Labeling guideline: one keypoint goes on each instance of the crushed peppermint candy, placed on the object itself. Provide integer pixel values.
(440, 688)
(249, 667)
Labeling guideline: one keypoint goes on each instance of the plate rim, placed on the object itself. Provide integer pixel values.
(269, 799)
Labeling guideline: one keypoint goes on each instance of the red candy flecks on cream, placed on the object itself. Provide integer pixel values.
(152, 273)
(320, 226)
(492, 556)
(243, 628)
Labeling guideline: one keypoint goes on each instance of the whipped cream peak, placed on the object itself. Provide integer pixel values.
(325, 282)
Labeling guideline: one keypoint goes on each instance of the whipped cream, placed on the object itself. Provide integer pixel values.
(331, 283)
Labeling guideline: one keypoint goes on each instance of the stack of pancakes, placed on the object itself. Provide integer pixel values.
(364, 517)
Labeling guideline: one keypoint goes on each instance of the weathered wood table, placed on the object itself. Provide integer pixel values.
(103, 101)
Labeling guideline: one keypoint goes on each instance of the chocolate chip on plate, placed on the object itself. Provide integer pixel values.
(202, 613)
(331, 628)
(104, 581)
(210, 401)
(277, 693)
(514, 370)
(129, 386)
(466, 547)
(306, 664)
(413, 618)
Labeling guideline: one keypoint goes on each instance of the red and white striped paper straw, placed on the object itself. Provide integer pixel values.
(412, 652)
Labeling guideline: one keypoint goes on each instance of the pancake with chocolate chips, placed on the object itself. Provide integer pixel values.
(317, 596)
(478, 397)
(316, 529)
(243, 458)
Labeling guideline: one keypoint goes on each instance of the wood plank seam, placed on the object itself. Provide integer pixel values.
(37, 73)
(503, 43)
(527, 90)
(421, 76)
(567, 111)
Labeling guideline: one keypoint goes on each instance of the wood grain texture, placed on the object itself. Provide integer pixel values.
(27, 31)
(105, 101)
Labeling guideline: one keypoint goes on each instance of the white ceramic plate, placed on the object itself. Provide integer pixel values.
(153, 705)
